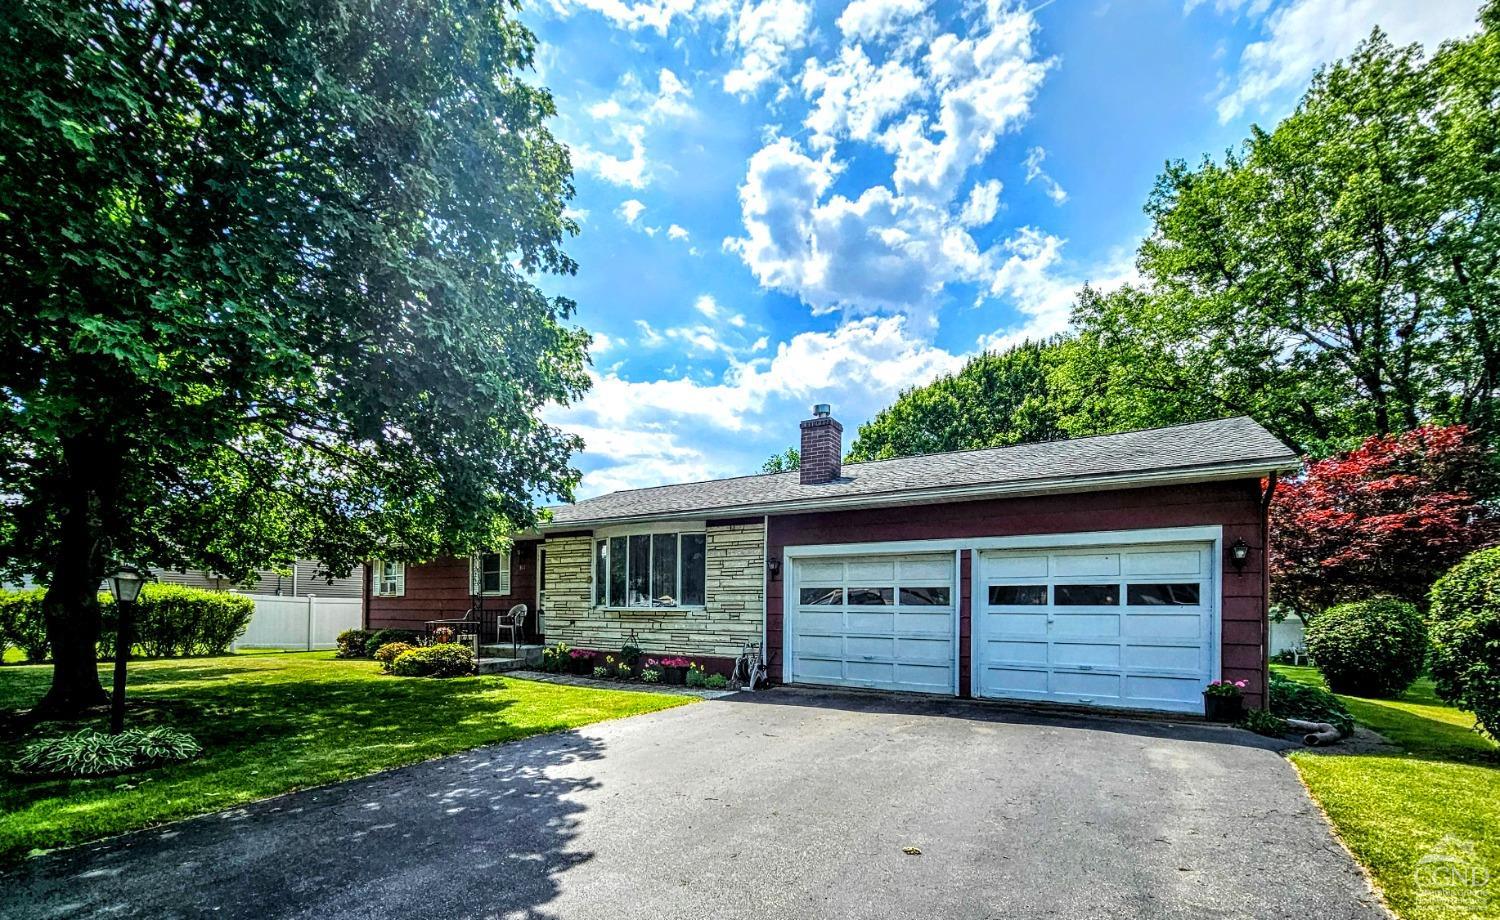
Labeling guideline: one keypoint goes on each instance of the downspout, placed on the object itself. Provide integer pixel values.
(364, 594)
(1265, 589)
(765, 592)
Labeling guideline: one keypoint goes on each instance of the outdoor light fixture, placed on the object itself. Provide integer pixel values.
(1239, 554)
(773, 565)
(125, 584)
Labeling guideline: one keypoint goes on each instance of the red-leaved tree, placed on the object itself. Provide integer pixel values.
(1386, 518)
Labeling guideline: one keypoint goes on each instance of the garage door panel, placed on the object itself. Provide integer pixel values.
(1086, 683)
(1182, 694)
(1070, 565)
(1073, 654)
(857, 635)
(1185, 658)
(869, 647)
(1072, 629)
(1015, 624)
(1164, 562)
(1073, 625)
(1184, 626)
(1014, 652)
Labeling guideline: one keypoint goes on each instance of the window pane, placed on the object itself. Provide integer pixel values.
(815, 596)
(1086, 595)
(872, 597)
(489, 573)
(1018, 595)
(617, 571)
(692, 569)
(601, 572)
(638, 587)
(1173, 595)
(924, 597)
(664, 570)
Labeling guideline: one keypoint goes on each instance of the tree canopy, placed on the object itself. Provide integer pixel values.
(269, 273)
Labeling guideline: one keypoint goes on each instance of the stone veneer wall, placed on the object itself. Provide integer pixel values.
(734, 587)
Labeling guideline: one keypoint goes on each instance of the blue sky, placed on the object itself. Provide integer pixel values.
(785, 202)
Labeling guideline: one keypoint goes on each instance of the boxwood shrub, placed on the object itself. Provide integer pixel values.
(447, 659)
(355, 643)
(1465, 618)
(1369, 648)
(388, 653)
(382, 637)
(170, 621)
(1292, 699)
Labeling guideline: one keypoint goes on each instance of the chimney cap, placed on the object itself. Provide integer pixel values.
(821, 410)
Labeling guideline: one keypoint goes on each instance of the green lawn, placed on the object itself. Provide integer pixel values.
(1393, 810)
(273, 723)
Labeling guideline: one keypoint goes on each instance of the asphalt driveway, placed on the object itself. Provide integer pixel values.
(784, 805)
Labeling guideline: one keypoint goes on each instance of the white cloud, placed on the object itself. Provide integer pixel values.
(1035, 173)
(650, 338)
(706, 305)
(765, 33)
(632, 171)
(623, 119)
(873, 19)
(630, 210)
(1034, 279)
(852, 98)
(982, 205)
(645, 14)
(1301, 35)
(677, 232)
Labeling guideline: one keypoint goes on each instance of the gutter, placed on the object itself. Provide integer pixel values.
(1025, 488)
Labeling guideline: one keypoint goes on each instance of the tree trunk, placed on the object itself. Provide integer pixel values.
(71, 605)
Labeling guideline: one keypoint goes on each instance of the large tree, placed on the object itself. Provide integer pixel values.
(1338, 275)
(995, 400)
(268, 273)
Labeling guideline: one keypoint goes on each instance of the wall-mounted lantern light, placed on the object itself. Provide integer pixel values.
(1239, 554)
(773, 565)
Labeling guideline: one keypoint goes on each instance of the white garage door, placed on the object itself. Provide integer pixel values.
(882, 622)
(1129, 626)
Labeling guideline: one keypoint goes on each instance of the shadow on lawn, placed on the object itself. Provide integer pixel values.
(487, 833)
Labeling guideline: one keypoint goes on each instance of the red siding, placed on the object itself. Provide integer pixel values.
(439, 590)
(1233, 505)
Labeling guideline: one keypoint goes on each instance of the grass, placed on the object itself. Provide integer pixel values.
(1394, 809)
(277, 722)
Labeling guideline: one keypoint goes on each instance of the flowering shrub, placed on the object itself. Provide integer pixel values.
(576, 653)
(555, 657)
(1225, 688)
(388, 653)
(678, 662)
(696, 677)
(624, 671)
(446, 660)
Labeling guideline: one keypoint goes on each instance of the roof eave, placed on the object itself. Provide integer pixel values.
(1176, 476)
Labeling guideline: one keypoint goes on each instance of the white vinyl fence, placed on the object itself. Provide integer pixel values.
(299, 622)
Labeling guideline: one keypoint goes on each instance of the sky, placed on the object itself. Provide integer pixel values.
(785, 202)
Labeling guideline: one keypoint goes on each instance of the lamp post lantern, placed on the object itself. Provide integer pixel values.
(125, 584)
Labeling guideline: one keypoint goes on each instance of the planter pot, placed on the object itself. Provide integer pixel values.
(584, 666)
(674, 676)
(1223, 708)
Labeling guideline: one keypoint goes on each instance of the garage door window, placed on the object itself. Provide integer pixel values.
(1018, 595)
(1163, 595)
(925, 597)
(872, 597)
(818, 597)
(1086, 595)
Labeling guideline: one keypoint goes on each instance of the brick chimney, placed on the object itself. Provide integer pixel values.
(822, 446)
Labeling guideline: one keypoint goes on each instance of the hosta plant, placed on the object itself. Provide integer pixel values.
(94, 753)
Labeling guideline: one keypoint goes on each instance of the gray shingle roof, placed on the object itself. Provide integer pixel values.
(1234, 446)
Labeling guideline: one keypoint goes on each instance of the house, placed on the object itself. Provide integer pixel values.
(300, 580)
(1124, 570)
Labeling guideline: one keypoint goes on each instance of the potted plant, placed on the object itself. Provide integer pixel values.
(630, 652)
(580, 661)
(442, 635)
(674, 670)
(1224, 701)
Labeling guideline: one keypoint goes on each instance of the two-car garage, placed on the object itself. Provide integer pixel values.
(1091, 619)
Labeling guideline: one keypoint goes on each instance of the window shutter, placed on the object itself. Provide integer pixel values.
(375, 567)
(476, 575)
(505, 572)
(400, 579)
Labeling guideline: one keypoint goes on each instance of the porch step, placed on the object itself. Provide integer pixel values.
(495, 659)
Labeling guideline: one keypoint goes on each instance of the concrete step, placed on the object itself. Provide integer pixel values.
(501, 665)
(494, 659)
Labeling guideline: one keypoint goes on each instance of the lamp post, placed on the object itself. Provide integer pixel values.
(125, 584)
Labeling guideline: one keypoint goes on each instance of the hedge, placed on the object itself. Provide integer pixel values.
(1369, 648)
(1465, 634)
(447, 659)
(170, 621)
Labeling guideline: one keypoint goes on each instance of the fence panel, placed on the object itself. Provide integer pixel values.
(299, 622)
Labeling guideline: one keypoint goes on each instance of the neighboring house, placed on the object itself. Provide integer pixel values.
(1123, 570)
(299, 581)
